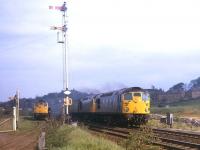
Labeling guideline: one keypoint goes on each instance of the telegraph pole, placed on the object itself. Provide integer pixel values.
(17, 107)
(64, 41)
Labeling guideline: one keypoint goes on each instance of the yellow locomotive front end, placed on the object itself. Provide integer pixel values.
(136, 106)
(40, 110)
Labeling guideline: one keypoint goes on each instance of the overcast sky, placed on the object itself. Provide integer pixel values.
(113, 44)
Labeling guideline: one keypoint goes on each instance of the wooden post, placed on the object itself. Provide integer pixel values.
(41, 141)
(14, 119)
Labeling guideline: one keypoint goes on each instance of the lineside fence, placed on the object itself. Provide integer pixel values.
(8, 120)
(9, 114)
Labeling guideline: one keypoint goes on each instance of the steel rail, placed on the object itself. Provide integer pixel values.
(173, 141)
(165, 142)
(175, 132)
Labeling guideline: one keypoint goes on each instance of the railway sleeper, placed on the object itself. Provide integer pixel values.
(173, 146)
(181, 143)
(113, 133)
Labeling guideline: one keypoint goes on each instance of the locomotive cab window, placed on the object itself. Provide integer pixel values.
(128, 96)
(137, 94)
(145, 96)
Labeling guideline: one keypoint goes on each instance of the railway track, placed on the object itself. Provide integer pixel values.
(178, 137)
(168, 139)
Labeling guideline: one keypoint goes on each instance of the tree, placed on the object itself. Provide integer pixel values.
(195, 83)
(178, 87)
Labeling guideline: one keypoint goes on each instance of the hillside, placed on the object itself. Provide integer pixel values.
(189, 108)
(55, 101)
(179, 92)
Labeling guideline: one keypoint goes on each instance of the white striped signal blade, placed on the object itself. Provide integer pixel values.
(56, 28)
(55, 7)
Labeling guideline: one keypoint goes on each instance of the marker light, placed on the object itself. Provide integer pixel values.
(67, 92)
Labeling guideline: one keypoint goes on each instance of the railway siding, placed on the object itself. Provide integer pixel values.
(170, 139)
(193, 137)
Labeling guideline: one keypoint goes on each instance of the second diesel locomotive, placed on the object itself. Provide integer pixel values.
(129, 106)
(41, 110)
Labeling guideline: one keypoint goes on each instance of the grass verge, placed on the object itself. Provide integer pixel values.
(141, 140)
(183, 109)
(71, 138)
(176, 125)
(27, 124)
(190, 108)
(66, 137)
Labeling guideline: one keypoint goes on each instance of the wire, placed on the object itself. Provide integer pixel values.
(23, 44)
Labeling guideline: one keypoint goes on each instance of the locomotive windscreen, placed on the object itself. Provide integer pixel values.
(137, 94)
(128, 96)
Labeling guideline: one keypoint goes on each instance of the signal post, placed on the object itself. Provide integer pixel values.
(67, 101)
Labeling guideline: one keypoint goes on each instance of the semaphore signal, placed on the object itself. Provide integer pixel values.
(55, 7)
(64, 41)
(63, 28)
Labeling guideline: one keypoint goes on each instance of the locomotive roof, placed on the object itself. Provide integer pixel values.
(121, 91)
(41, 101)
(87, 97)
(131, 89)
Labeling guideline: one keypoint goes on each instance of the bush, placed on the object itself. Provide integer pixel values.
(58, 136)
(141, 140)
(74, 138)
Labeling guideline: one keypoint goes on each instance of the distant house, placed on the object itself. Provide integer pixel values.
(170, 96)
(196, 92)
(174, 94)
(154, 94)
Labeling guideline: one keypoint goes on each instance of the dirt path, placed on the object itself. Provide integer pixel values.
(26, 140)
(18, 141)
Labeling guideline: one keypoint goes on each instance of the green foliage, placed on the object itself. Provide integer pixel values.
(195, 83)
(82, 140)
(178, 87)
(58, 137)
(187, 103)
(70, 138)
(64, 137)
(190, 108)
(26, 124)
(176, 125)
(187, 108)
(141, 140)
(173, 110)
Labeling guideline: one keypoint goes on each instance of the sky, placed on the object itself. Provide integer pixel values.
(112, 44)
